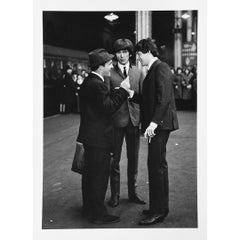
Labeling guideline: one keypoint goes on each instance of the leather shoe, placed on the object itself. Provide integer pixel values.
(152, 219)
(114, 201)
(106, 219)
(136, 199)
(147, 212)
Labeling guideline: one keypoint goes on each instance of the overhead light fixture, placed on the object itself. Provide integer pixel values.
(111, 17)
(185, 16)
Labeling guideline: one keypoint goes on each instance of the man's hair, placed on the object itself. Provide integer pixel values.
(123, 44)
(146, 45)
(94, 68)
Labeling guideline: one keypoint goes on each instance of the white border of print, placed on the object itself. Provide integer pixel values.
(169, 234)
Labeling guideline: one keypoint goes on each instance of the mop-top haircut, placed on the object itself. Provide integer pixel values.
(146, 45)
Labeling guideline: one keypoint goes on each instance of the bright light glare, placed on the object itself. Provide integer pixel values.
(185, 16)
(111, 17)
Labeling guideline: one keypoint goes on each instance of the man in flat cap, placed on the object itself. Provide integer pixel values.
(96, 134)
(126, 123)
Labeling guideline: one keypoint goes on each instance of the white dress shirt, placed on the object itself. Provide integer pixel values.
(121, 67)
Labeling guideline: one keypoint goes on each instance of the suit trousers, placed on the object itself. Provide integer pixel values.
(95, 180)
(158, 173)
(132, 137)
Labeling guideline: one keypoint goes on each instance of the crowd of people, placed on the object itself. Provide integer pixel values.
(70, 79)
(185, 88)
(67, 82)
(69, 86)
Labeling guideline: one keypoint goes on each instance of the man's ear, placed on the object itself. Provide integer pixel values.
(100, 67)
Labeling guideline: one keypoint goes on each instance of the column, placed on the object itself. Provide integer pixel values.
(178, 40)
(195, 29)
(143, 25)
(189, 27)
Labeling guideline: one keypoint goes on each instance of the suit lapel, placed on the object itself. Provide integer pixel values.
(119, 71)
(148, 77)
(153, 66)
(130, 74)
(151, 69)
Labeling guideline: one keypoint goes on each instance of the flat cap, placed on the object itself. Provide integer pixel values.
(98, 57)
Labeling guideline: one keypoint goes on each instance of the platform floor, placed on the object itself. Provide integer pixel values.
(62, 199)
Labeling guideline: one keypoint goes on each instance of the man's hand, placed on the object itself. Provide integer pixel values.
(149, 133)
(125, 84)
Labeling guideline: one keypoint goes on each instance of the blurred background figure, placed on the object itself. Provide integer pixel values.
(177, 86)
(73, 93)
(186, 89)
(84, 74)
(79, 82)
(193, 82)
(66, 81)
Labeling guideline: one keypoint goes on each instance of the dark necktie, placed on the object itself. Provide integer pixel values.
(124, 72)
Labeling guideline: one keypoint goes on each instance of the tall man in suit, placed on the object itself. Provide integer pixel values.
(96, 134)
(159, 118)
(126, 123)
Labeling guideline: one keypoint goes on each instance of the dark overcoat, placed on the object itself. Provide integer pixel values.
(96, 109)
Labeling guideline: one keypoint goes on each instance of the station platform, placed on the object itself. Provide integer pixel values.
(62, 196)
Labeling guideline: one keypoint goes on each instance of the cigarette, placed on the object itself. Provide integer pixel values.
(149, 140)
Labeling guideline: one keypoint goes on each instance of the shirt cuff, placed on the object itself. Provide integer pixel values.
(153, 124)
(131, 93)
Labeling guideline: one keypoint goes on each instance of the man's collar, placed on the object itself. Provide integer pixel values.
(151, 63)
(98, 75)
(120, 66)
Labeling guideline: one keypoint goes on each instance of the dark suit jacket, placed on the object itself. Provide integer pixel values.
(96, 108)
(128, 110)
(157, 99)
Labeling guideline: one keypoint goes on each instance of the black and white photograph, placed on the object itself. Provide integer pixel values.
(120, 119)
(115, 120)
